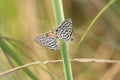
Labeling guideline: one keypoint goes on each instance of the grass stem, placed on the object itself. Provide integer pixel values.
(59, 15)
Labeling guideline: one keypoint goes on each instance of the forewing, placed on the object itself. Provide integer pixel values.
(47, 41)
(64, 30)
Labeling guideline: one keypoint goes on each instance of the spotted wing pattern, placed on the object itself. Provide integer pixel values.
(64, 30)
(47, 41)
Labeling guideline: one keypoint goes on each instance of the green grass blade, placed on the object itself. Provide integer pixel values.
(18, 47)
(18, 60)
(94, 20)
(59, 15)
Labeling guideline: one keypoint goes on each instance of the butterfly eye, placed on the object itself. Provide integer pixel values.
(64, 30)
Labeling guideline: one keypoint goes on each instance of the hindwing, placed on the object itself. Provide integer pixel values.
(47, 41)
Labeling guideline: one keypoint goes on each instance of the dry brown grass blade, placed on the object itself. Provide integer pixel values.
(54, 61)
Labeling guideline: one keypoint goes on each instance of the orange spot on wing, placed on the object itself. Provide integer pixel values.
(50, 33)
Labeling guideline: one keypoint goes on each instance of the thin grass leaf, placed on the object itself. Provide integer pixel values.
(18, 60)
(94, 20)
(17, 75)
(20, 50)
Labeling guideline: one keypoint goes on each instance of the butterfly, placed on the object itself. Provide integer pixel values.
(63, 31)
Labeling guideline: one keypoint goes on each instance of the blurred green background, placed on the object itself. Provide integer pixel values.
(21, 21)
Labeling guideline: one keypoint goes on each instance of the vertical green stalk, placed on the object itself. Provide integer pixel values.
(59, 15)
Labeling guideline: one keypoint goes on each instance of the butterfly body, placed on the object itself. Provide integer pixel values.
(64, 32)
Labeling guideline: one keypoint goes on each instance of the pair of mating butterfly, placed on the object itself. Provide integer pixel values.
(64, 32)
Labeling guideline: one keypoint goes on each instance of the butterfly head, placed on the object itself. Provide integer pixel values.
(52, 34)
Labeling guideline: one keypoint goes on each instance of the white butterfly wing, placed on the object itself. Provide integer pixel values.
(47, 41)
(64, 30)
